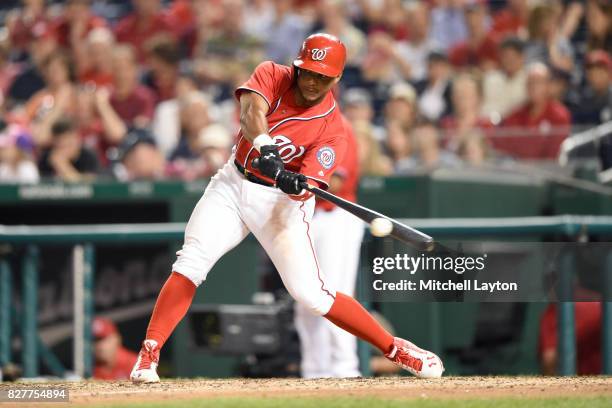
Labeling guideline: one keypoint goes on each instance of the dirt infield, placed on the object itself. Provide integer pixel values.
(93, 392)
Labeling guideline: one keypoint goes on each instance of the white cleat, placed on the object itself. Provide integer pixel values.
(419, 362)
(145, 369)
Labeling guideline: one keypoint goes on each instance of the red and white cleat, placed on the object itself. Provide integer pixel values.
(145, 369)
(421, 363)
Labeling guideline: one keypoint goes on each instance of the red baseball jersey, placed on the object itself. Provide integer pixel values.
(311, 140)
(348, 170)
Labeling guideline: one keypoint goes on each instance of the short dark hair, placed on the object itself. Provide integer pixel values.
(513, 43)
(62, 126)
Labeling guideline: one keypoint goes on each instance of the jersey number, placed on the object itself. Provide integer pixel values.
(287, 150)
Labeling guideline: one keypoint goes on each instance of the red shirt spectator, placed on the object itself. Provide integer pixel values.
(465, 54)
(147, 21)
(536, 129)
(588, 337)
(511, 20)
(541, 134)
(64, 25)
(137, 104)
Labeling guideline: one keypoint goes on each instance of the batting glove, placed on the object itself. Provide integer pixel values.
(290, 182)
(270, 163)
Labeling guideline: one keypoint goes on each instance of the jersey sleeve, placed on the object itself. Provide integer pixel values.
(326, 154)
(265, 81)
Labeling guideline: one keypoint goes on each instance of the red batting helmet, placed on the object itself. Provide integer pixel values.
(323, 54)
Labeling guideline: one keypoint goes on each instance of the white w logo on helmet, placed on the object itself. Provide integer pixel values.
(318, 54)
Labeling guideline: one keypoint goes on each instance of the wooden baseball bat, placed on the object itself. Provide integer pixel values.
(401, 232)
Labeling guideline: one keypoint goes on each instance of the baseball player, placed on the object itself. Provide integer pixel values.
(327, 350)
(291, 124)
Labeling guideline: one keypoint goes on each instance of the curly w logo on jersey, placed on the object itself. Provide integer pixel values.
(326, 156)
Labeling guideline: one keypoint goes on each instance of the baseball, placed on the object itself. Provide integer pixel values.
(381, 227)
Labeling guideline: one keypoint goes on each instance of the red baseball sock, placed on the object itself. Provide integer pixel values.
(349, 315)
(172, 303)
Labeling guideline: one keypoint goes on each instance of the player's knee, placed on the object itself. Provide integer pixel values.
(192, 264)
(315, 303)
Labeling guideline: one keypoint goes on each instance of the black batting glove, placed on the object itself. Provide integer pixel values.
(270, 163)
(290, 182)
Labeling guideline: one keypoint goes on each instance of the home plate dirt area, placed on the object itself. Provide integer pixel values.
(115, 393)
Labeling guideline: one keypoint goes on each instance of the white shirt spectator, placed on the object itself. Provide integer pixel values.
(502, 94)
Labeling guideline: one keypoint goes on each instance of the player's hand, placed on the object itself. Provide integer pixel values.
(270, 163)
(290, 182)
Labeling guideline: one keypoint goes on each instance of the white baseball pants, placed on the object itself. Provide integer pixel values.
(231, 207)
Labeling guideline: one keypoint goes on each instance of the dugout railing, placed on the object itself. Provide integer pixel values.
(84, 238)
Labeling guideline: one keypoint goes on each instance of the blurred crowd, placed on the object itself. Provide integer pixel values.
(143, 89)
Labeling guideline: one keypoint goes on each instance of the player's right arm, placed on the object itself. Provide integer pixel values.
(253, 110)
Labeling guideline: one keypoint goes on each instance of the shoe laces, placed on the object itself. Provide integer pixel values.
(149, 353)
(402, 356)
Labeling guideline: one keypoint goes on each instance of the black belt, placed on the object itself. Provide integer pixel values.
(250, 176)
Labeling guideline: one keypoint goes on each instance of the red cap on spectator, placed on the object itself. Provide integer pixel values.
(598, 57)
(101, 328)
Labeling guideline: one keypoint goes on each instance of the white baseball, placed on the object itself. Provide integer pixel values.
(381, 227)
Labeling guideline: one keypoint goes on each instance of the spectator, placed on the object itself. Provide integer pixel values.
(357, 105)
(371, 159)
(133, 102)
(16, 165)
(163, 61)
(390, 19)
(434, 92)
(594, 105)
(383, 63)
(193, 113)
(399, 147)
(334, 16)
(480, 48)
(419, 45)
(561, 91)
(427, 152)
(30, 80)
(401, 106)
(67, 159)
(510, 81)
(147, 21)
(213, 150)
(467, 111)
(473, 148)
(228, 53)
(258, 17)
(75, 24)
(512, 20)
(95, 67)
(286, 33)
(599, 23)
(166, 125)
(57, 99)
(112, 360)
(140, 158)
(448, 23)
(536, 129)
(99, 126)
(588, 339)
(8, 72)
(546, 42)
(24, 23)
